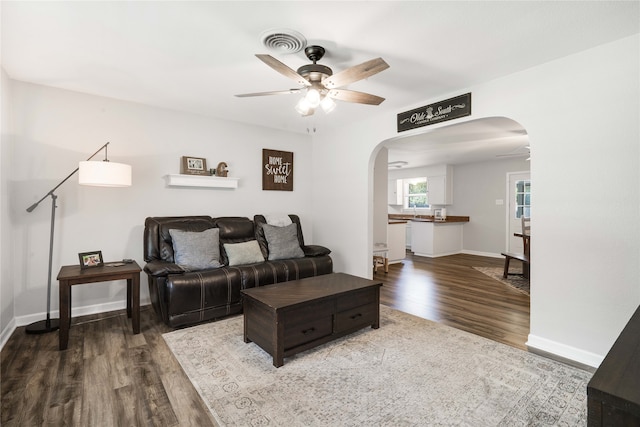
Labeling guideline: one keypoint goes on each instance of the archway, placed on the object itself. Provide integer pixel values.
(482, 152)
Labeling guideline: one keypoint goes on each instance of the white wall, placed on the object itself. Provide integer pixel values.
(380, 197)
(583, 124)
(476, 187)
(6, 286)
(54, 129)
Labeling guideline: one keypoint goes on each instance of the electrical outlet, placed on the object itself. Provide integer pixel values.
(499, 202)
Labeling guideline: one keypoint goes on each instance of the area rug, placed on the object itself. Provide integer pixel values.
(516, 282)
(409, 372)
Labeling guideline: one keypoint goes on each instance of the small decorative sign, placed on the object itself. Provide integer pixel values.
(193, 166)
(449, 109)
(277, 170)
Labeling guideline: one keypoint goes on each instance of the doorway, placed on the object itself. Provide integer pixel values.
(518, 205)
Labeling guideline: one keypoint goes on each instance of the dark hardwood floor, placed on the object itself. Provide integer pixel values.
(448, 290)
(110, 377)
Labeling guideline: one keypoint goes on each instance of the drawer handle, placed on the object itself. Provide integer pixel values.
(355, 316)
(308, 331)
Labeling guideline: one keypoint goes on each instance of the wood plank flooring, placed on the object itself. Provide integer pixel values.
(448, 290)
(110, 377)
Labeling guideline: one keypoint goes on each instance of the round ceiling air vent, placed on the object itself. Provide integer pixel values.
(283, 40)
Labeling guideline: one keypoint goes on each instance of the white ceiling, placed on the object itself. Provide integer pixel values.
(473, 141)
(195, 56)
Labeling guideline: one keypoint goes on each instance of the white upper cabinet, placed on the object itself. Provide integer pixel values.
(440, 187)
(395, 192)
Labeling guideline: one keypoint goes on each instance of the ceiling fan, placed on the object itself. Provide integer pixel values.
(320, 84)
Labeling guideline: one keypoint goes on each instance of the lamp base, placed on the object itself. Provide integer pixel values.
(43, 326)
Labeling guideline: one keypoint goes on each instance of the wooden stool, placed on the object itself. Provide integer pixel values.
(380, 257)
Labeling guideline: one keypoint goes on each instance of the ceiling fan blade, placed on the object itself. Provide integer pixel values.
(355, 73)
(353, 96)
(283, 69)
(276, 92)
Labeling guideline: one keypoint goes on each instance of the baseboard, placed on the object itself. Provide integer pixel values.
(436, 256)
(563, 352)
(77, 311)
(486, 254)
(7, 332)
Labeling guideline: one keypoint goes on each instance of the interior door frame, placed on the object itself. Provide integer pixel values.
(508, 205)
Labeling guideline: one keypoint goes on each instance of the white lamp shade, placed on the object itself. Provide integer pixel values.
(327, 104)
(313, 97)
(104, 174)
(303, 106)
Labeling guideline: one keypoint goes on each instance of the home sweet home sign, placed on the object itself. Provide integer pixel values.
(277, 170)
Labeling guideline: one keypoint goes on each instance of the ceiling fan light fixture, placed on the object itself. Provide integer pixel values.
(303, 107)
(328, 104)
(313, 97)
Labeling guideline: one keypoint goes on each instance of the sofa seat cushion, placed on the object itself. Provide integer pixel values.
(282, 241)
(196, 250)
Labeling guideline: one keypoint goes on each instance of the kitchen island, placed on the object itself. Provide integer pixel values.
(434, 238)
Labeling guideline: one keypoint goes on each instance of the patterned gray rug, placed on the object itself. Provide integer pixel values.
(517, 282)
(409, 372)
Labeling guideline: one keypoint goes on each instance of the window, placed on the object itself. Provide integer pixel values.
(523, 199)
(415, 190)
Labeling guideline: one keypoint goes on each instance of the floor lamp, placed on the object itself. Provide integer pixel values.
(101, 174)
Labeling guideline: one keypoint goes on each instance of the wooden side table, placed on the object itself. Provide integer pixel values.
(70, 275)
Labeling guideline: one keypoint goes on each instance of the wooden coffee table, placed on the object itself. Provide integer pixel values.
(290, 317)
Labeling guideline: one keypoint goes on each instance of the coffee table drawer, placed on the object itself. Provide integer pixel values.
(308, 312)
(356, 317)
(356, 299)
(302, 333)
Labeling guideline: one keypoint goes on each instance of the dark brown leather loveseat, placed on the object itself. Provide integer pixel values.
(182, 295)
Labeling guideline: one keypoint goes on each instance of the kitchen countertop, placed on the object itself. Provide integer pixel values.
(397, 221)
(426, 218)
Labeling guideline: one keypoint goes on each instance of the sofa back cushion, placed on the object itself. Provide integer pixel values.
(233, 229)
(157, 239)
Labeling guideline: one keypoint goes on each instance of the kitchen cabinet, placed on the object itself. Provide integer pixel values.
(396, 241)
(440, 186)
(435, 239)
(395, 192)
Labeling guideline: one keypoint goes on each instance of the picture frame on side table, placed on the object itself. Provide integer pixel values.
(194, 166)
(90, 259)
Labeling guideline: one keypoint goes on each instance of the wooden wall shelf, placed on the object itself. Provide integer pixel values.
(181, 180)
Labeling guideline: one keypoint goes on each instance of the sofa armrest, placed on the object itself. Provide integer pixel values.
(162, 268)
(315, 250)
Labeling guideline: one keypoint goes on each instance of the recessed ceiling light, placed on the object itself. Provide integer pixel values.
(283, 40)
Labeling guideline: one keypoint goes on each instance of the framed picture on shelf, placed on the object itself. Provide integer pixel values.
(90, 259)
(194, 166)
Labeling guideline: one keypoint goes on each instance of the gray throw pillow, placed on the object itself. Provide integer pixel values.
(196, 250)
(243, 253)
(283, 242)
